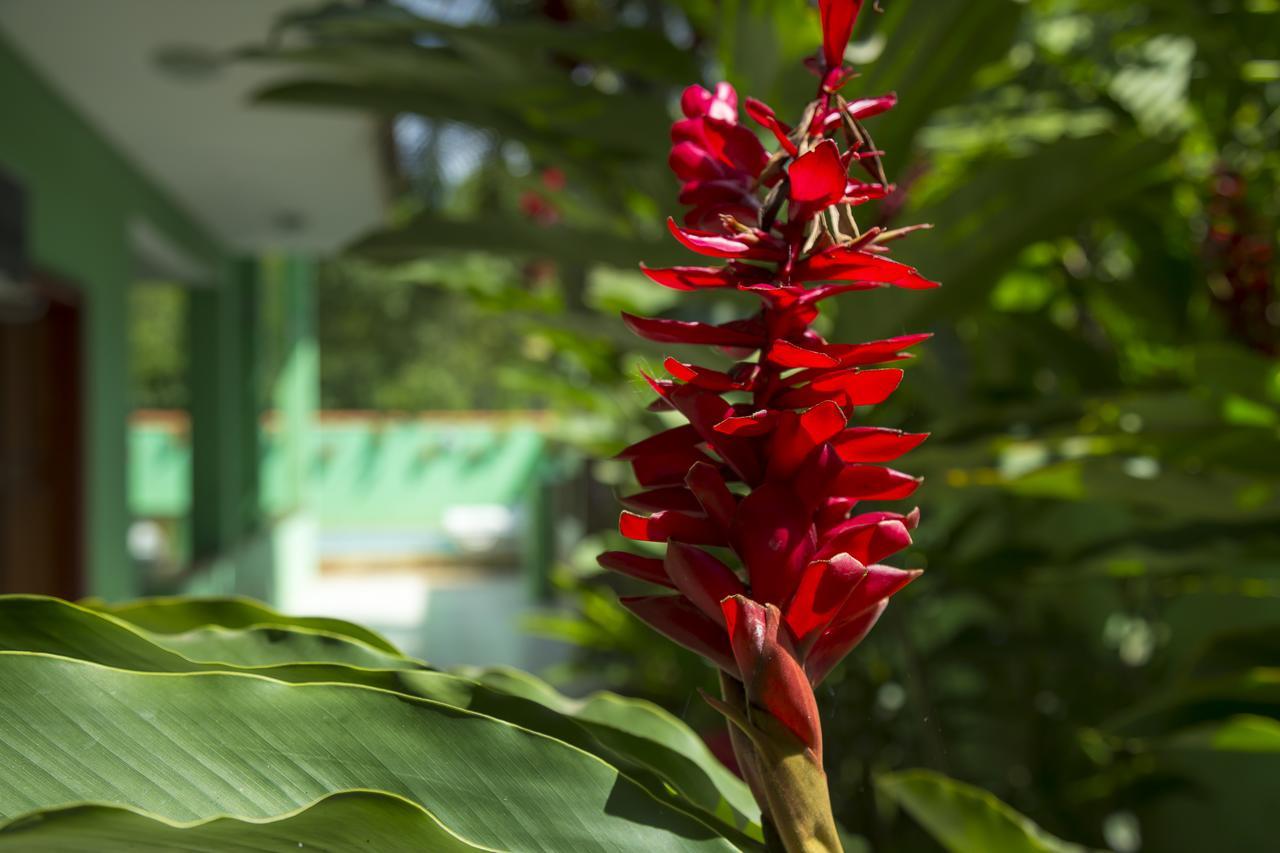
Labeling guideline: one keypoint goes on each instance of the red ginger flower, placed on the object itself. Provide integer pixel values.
(768, 469)
(717, 159)
(1241, 257)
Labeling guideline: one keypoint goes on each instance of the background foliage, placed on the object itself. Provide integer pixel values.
(1097, 638)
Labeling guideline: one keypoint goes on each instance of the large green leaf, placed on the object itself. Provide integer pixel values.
(1001, 207)
(1243, 733)
(194, 747)
(509, 236)
(40, 624)
(760, 45)
(1004, 205)
(1237, 650)
(269, 645)
(352, 820)
(180, 615)
(539, 105)
(636, 729)
(931, 57)
(644, 51)
(1253, 692)
(661, 755)
(965, 819)
(1179, 494)
(658, 750)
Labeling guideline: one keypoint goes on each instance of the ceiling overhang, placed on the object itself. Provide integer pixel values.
(256, 177)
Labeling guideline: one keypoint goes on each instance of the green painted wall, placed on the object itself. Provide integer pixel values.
(83, 195)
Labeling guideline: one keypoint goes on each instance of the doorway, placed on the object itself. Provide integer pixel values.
(41, 435)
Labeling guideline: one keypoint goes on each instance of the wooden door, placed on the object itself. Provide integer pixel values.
(41, 457)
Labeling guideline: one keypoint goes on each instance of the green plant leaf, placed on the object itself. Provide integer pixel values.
(760, 45)
(520, 238)
(644, 51)
(656, 749)
(1252, 692)
(932, 59)
(351, 820)
(45, 625)
(271, 645)
(965, 819)
(538, 109)
(1236, 650)
(663, 755)
(195, 747)
(180, 615)
(639, 730)
(1005, 205)
(1243, 733)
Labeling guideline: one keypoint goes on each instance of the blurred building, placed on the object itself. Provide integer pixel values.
(131, 156)
(434, 529)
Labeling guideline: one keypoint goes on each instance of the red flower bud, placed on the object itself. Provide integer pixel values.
(773, 679)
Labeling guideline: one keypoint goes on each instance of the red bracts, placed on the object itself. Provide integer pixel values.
(773, 561)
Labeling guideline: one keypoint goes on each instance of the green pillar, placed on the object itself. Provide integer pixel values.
(109, 570)
(224, 412)
(295, 394)
(294, 390)
(249, 393)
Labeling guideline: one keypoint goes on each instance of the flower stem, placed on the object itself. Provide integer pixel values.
(785, 777)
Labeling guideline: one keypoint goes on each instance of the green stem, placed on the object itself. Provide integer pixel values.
(786, 778)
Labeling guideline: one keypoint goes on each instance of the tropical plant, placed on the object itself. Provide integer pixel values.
(1102, 475)
(807, 584)
(1096, 639)
(220, 725)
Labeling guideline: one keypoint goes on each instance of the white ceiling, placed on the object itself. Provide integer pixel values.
(258, 177)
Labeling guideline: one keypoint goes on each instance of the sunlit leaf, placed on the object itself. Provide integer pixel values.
(965, 819)
(196, 747)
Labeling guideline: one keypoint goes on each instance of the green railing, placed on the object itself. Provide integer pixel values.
(363, 470)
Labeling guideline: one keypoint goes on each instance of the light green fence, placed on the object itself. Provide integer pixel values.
(364, 473)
